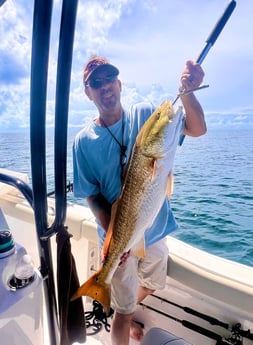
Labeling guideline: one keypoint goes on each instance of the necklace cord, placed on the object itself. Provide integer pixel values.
(123, 147)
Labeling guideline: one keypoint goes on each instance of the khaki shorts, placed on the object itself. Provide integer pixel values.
(149, 272)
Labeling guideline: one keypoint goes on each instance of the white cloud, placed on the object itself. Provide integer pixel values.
(94, 21)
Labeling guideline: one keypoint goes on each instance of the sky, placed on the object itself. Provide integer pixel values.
(149, 41)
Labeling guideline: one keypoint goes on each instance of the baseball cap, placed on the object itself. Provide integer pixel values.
(96, 64)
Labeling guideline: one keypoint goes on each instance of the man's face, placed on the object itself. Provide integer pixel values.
(104, 90)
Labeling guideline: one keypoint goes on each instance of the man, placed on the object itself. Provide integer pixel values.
(100, 152)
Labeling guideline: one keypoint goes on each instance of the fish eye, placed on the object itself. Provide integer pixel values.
(158, 115)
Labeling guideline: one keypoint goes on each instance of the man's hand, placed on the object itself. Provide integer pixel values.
(192, 76)
(124, 258)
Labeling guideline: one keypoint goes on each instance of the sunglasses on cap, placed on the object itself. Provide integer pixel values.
(96, 83)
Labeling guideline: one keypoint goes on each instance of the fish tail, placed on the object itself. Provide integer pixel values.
(99, 291)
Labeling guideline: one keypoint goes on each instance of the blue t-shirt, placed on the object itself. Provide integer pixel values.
(96, 163)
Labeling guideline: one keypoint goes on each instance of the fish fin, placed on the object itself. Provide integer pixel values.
(170, 185)
(107, 242)
(96, 290)
(153, 168)
(139, 249)
(108, 237)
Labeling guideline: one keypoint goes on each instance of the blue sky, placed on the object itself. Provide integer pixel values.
(149, 40)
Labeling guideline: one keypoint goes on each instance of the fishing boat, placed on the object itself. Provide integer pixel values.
(48, 245)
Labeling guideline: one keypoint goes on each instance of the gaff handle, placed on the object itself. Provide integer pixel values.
(216, 31)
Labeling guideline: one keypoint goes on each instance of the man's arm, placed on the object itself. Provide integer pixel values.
(195, 124)
(101, 209)
(191, 78)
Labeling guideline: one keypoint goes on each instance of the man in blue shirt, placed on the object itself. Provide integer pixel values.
(100, 152)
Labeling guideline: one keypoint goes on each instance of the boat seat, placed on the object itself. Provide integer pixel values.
(158, 336)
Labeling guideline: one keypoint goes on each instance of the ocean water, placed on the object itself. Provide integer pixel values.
(213, 191)
(213, 198)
